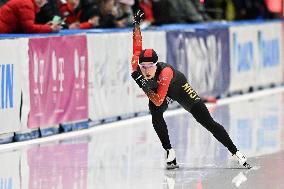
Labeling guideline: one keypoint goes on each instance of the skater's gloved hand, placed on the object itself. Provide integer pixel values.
(138, 16)
(143, 83)
(139, 79)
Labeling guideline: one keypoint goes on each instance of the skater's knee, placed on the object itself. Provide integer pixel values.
(213, 127)
(157, 112)
(218, 129)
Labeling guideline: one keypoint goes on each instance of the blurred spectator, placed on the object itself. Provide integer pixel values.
(147, 8)
(106, 10)
(89, 9)
(220, 9)
(70, 11)
(47, 12)
(274, 5)
(124, 15)
(251, 9)
(11, 22)
(176, 11)
(275, 8)
(199, 4)
(108, 13)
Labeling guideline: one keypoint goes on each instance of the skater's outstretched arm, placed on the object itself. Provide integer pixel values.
(137, 47)
(137, 40)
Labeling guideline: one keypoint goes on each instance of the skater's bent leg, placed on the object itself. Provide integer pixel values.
(202, 115)
(159, 124)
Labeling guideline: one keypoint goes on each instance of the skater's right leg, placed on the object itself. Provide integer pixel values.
(161, 129)
(159, 123)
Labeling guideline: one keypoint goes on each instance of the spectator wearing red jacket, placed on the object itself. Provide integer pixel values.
(147, 8)
(18, 16)
(71, 12)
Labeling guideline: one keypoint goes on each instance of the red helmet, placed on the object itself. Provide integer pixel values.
(148, 55)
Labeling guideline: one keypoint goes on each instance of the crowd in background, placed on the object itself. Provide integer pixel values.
(43, 16)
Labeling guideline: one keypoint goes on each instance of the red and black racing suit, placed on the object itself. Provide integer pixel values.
(170, 83)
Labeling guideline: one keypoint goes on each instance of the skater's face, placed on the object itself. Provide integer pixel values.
(148, 69)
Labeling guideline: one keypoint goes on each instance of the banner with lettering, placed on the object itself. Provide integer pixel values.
(270, 50)
(10, 85)
(58, 78)
(203, 56)
(255, 55)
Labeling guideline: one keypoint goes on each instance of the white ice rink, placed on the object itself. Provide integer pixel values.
(128, 154)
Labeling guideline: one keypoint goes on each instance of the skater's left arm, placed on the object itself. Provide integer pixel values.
(164, 81)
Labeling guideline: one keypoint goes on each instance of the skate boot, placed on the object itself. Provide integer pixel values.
(242, 159)
(171, 159)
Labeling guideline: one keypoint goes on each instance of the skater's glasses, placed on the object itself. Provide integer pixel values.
(147, 65)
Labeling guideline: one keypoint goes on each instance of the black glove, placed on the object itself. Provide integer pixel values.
(139, 79)
(143, 83)
(138, 16)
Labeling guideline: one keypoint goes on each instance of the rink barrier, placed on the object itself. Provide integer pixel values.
(105, 99)
(44, 132)
(7, 138)
(26, 135)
